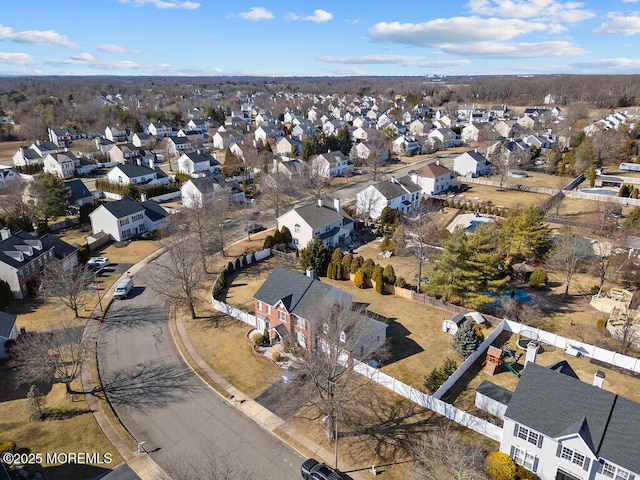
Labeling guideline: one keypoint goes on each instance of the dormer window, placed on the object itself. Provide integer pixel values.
(343, 337)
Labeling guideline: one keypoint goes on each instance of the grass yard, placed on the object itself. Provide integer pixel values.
(505, 198)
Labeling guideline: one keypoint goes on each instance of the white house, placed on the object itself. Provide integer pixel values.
(8, 175)
(159, 129)
(178, 145)
(27, 156)
(138, 174)
(204, 191)
(329, 222)
(198, 162)
(560, 427)
(471, 163)
(292, 169)
(433, 178)
(331, 164)
(62, 164)
(399, 193)
(141, 139)
(363, 150)
(444, 136)
(406, 145)
(116, 134)
(285, 145)
(125, 219)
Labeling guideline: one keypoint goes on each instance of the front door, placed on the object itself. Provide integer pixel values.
(562, 475)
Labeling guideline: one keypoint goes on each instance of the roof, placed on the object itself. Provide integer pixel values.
(318, 216)
(197, 157)
(7, 322)
(494, 392)
(123, 208)
(556, 404)
(20, 243)
(78, 189)
(433, 170)
(132, 170)
(477, 156)
(394, 189)
(153, 210)
(298, 293)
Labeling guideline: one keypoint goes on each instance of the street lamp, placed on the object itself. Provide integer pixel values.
(95, 280)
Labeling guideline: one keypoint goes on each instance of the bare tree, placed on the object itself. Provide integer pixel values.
(366, 201)
(376, 160)
(275, 191)
(423, 234)
(205, 220)
(54, 356)
(315, 183)
(445, 454)
(499, 159)
(180, 270)
(568, 255)
(69, 285)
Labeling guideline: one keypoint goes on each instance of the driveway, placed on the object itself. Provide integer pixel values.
(163, 403)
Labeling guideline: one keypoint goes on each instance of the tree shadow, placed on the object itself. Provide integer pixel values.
(400, 345)
(12, 389)
(217, 320)
(149, 385)
(58, 414)
(129, 318)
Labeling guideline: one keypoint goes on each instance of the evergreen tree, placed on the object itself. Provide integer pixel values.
(348, 258)
(35, 402)
(466, 340)
(52, 197)
(524, 233)
(315, 256)
(285, 234)
(358, 279)
(398, 241)
(356, 263)
(389, 275)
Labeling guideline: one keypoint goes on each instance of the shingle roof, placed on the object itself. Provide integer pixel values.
(153, 210)
(7, 322)
(132, 170)
(556, 404)
(123, 208)
(20, 241)
(78, 189)
(318, 216)
(299, 294)
(495, 392)
(196, 157)
(433, 170)
(394, 189)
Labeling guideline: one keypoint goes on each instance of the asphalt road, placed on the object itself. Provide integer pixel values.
(163, 403)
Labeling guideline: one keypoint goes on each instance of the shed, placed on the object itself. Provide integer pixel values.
(492, 398)
(451, 324)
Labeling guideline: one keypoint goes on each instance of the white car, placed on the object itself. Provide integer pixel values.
(98, 262)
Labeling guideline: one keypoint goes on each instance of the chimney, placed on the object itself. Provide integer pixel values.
(438, 162)
(393, 179)
(532, 353)
(143, 197)
(598, 379)
(5, 233)
(138, 161)
(311, 273)
(321, 202)
(336, 204)
(152, 163)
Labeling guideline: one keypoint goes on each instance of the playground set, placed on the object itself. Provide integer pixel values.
(496, 357)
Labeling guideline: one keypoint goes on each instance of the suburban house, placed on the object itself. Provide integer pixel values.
(406, 145)
(138, 174)
(363, 150)
(433, 178)
(27, 156)
(8, 175)
(159, 129)
(8, 331)
(292, 169)
(285, 145)
(63, 137)
(80, 193)
(117, 134)
(331, 164)
(199, 163)
(471, 164)
(287, 305)
(329, 222)
(61, 164)
(444, 137)
(562, 428)
(222, 139)
(178, 145)
(124, 153)
(141, 139)
(125, 219)
(202, 191)
(399, 193)
(24, 256)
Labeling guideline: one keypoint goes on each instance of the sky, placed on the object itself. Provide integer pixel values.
(310, 38)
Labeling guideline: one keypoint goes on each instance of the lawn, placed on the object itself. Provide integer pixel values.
(505, 198)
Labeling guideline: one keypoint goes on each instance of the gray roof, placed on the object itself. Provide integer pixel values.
(494, 392)
(132, 170)
(477, 156)
(78, 189)
(317, 216)
(21, 240)
(153, 210)
(123, 208)
(394, 189)
(556, 404)
(205, 157)
(7, 322)
(299, 294)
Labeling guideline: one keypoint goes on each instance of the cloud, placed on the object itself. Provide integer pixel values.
(319, 16)
(111, 48)
(570, 12)
(83, 57)
(620, 25)
(16, 58)
(514, 50)
(35, 37)
(164, 4)
(256, 13)
(464, 30)
(405, 60)
(629, 1)
(612, 64)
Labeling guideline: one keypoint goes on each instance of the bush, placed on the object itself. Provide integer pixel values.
(253, 258)
(358, 279)
(257, 339)
(538, 279)
(595, 290)
(356, 263)
(524, 474)
(379, 283)
(368, 268)
(269, 242)
(7, 447)
(500, 466)
(439, 375)
(286, 236)
(400, 282)
(346, 262)
(389, 275)
(601, 323)
(5, 294)
(230, 267)
(276, 356)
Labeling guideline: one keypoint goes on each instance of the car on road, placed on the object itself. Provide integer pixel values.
(255, 228)
(98, 262)
(292, 373)
(312, 469)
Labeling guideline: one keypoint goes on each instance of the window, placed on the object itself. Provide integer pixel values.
(572, 456)
(302, 340)
(343, 337)
(301, 322)
(268, 309)
(524, 458)
(282, 316)
(528, 435)
(296, 228)
(259, 306)
(616, 473)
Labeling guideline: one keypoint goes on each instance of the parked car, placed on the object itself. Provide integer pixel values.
(311, 469)
(98, 262)
(123, 288)
(255, 228)
(292, 373)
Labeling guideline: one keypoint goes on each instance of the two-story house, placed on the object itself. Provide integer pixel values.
(433, 178)
(117, 134)
(399, 193)
(291, 304)
(329, 222)
(138, 174)
(198, 163)
(61, 164)
(201, 191)
(126, 218)
(23, 258)
(331, 164)
(471, 163)
(63, 137)
(159, 129)
(561, 428)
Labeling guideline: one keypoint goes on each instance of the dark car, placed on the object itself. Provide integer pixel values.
(255, 228)
(311, 469)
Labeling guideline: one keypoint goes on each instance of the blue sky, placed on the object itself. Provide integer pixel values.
(306, 38)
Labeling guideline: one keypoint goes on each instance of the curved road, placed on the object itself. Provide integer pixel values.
(163, 403)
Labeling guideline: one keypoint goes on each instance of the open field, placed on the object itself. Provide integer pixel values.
(8, 149)
(505, 198)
